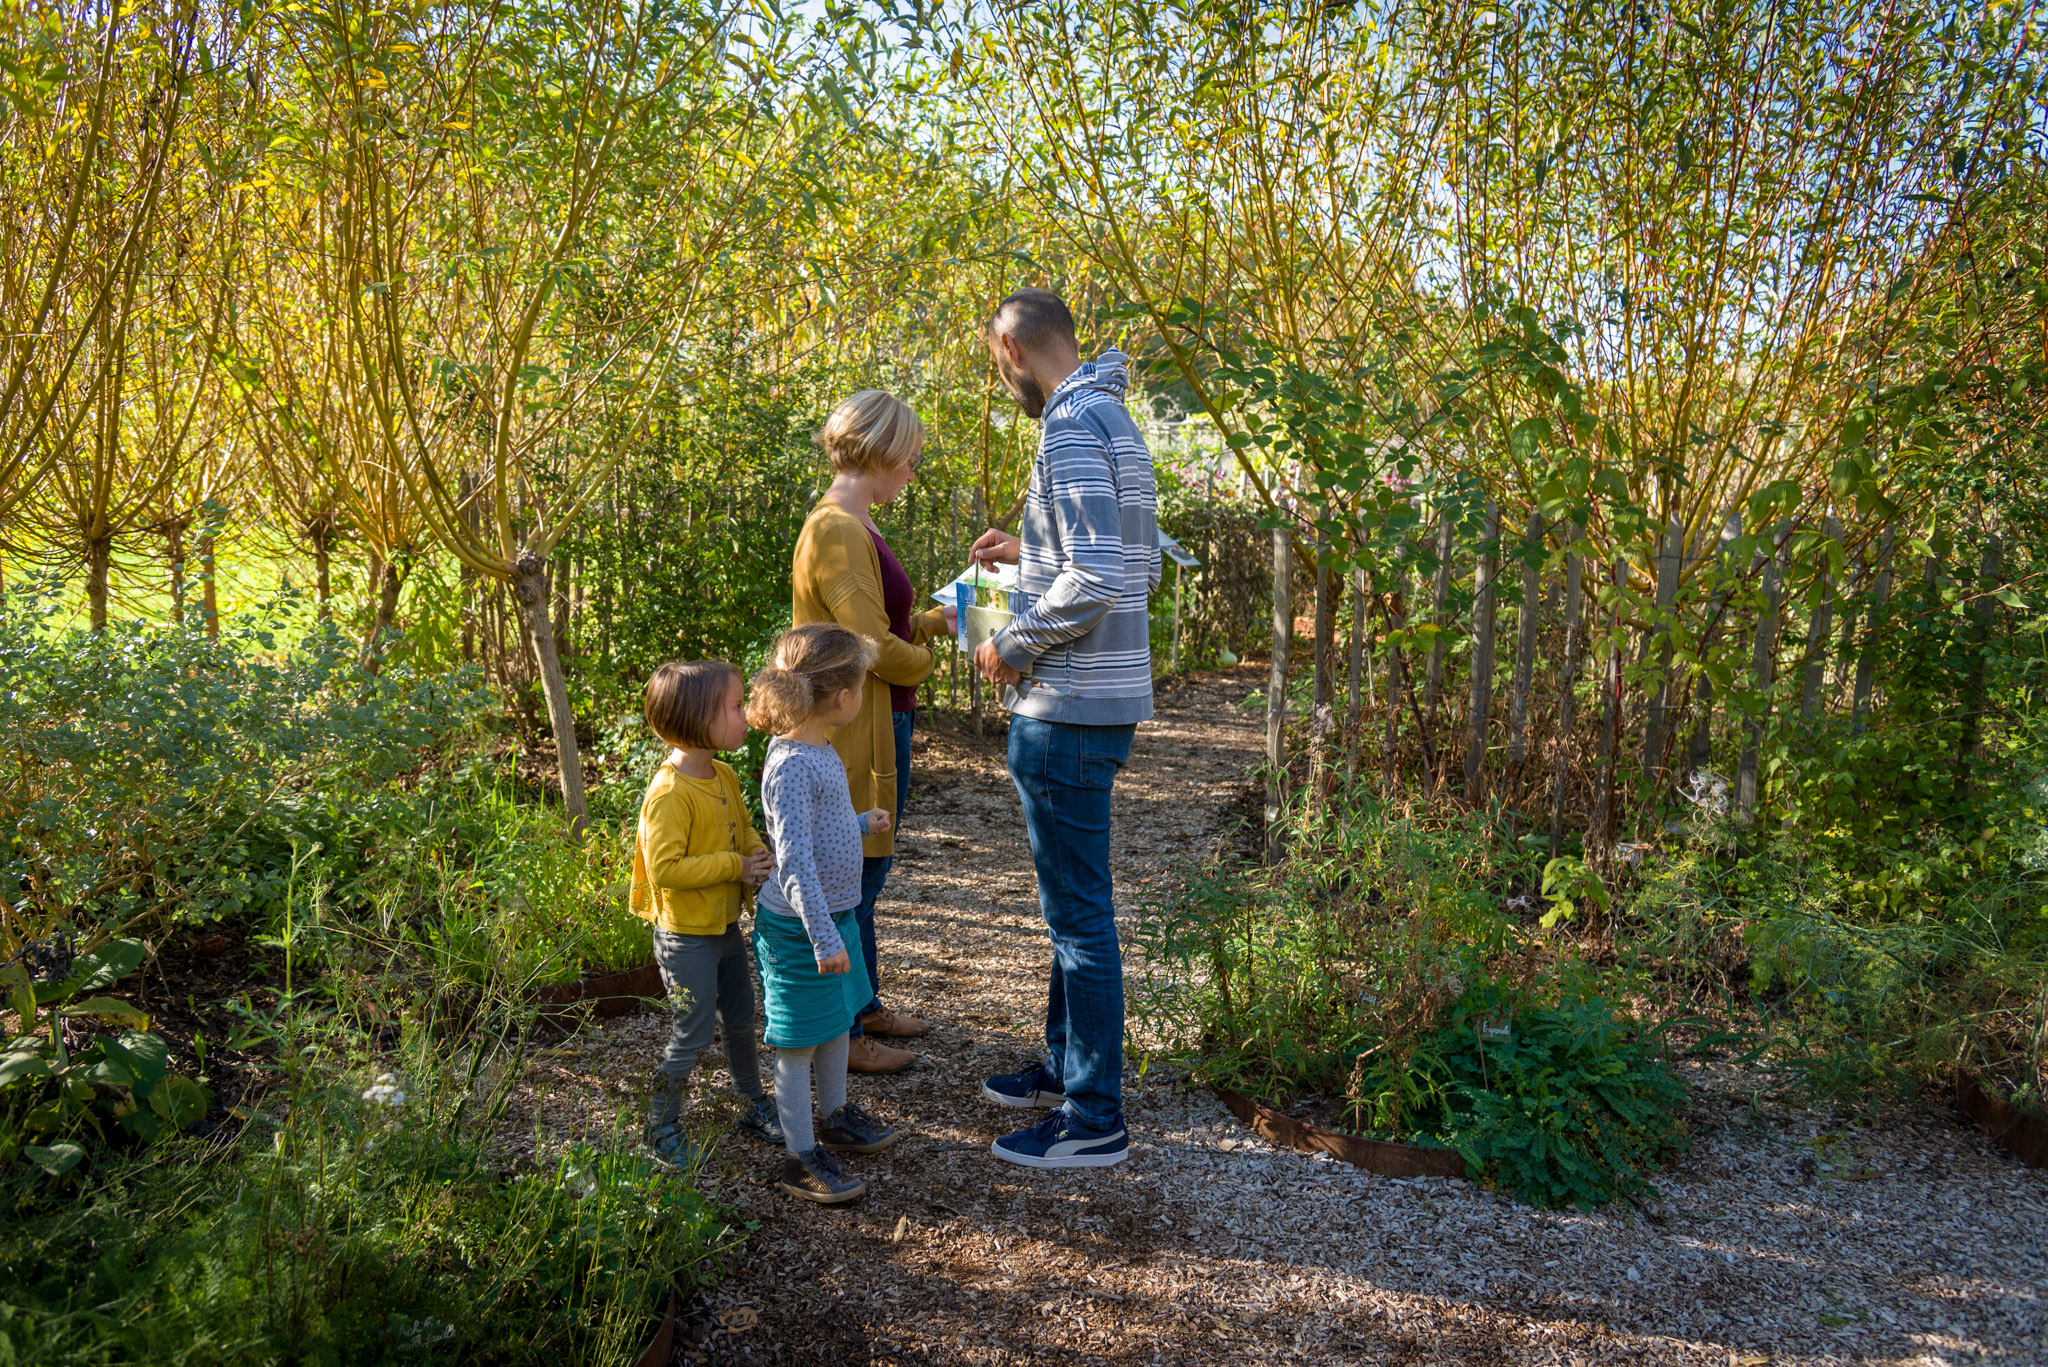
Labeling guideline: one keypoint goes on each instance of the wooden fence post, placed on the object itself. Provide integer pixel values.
(1656, 718)
(1574, 647)
(1440, 606)
(1526, 621)
(1819, 624)
(1325, 656)
(1276, 689)
(1601, 833)
(1763, 652)
(1976, 682)
(1358, 680)
(1866, 662)
(1482, 650)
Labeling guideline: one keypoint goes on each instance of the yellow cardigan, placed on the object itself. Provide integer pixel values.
(686, 862)
(838, 578)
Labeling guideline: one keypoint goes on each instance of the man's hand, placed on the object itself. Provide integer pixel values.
(756, 867)
(992, 665)
(952, 619)
(838, 963)
(875, 822)
(995, 548)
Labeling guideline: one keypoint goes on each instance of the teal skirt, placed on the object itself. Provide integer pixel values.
(803, 1006)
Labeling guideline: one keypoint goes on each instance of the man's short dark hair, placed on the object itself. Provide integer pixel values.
(1036, 318)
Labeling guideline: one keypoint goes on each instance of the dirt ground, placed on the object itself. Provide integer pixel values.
(1899, 1236)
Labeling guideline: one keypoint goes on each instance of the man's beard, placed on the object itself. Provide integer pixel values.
(1024, 387)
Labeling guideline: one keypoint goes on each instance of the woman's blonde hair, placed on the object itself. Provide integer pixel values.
(870, 432)
(809, 665)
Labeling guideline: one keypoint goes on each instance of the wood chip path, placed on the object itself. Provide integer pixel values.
(1784, 1236)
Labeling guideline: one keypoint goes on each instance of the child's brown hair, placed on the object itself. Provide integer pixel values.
(682, 698)
(809, 664)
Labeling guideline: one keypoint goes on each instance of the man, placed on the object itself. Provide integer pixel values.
(1076, 665)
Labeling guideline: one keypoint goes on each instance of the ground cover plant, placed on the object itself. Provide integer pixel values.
(1623, 434)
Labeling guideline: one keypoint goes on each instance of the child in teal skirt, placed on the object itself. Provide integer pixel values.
(812, 988)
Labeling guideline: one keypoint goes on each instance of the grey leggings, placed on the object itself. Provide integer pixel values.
(711, 972)
(793, 1089)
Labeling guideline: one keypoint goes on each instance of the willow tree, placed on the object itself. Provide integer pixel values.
(95, 146)
(531, 202)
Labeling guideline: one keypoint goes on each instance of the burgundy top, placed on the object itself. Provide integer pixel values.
(897, 596)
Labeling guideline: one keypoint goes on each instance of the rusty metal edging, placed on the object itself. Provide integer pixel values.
(1374, 1155)
(2023, 1134)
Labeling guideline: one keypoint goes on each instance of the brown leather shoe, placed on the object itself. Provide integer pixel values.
(893, 1025)
(869, 1055)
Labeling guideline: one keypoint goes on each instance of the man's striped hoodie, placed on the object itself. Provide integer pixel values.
(1089, 560)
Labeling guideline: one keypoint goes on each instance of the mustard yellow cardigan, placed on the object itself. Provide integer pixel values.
(838, 578)
(687, 868)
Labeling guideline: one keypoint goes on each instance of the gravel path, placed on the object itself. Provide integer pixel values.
(1787, 1236)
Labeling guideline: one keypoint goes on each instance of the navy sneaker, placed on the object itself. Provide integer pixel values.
(674, 1148)
(1029, 1088)
(761, 1121)
(1060, 1141)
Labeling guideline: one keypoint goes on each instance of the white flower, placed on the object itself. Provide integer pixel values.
(385, 1091)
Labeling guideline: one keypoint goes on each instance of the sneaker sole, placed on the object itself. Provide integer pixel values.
(824, 1198)
(1037, 1101)
(837, 1146)
(1077, 1160)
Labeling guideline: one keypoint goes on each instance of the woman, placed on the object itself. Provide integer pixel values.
(845, 573)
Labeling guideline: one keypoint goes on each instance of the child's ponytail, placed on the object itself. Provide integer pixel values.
(809, 664)
(779, 700)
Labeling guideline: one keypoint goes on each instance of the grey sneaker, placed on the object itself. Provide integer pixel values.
(673, 1147)
(762, 1122)
(852, 1130)
(816, 1176)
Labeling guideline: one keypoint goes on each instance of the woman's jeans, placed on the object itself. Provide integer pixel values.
(1064, 774)
(875, 871)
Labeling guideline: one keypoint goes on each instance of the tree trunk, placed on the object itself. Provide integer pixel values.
(1326, 633)
(1526, 621)
(1762, 655)
(1976, 685)
(174, 551)
(1440, 606)
(99, 556)
(1866, 661)
(323, 569)
(209, 596)
(1276, 689)
(1600, 836)
(385, 583)
(1656, 720)
(1574, 648)
(1482, 652)
(1358, 680)
(529, 587)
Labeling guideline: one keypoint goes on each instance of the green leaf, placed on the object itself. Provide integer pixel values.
(18, 1063)
(179, 1101)
(112, 1010)
(55, 1159)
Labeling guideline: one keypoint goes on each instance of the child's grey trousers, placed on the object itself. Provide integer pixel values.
(712, 973)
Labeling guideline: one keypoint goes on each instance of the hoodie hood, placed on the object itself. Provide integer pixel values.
(1110, 372)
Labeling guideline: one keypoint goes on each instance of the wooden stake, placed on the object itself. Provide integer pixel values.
(1276, 690)
(1482, 651)
(1525, 644)
(1574, 648)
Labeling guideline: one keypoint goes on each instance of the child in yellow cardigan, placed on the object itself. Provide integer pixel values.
(696, 858)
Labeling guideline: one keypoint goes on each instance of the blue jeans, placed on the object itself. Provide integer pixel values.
(1064, 774)
(874, 871)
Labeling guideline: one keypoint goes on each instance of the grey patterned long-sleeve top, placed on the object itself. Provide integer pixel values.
(816, 837)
